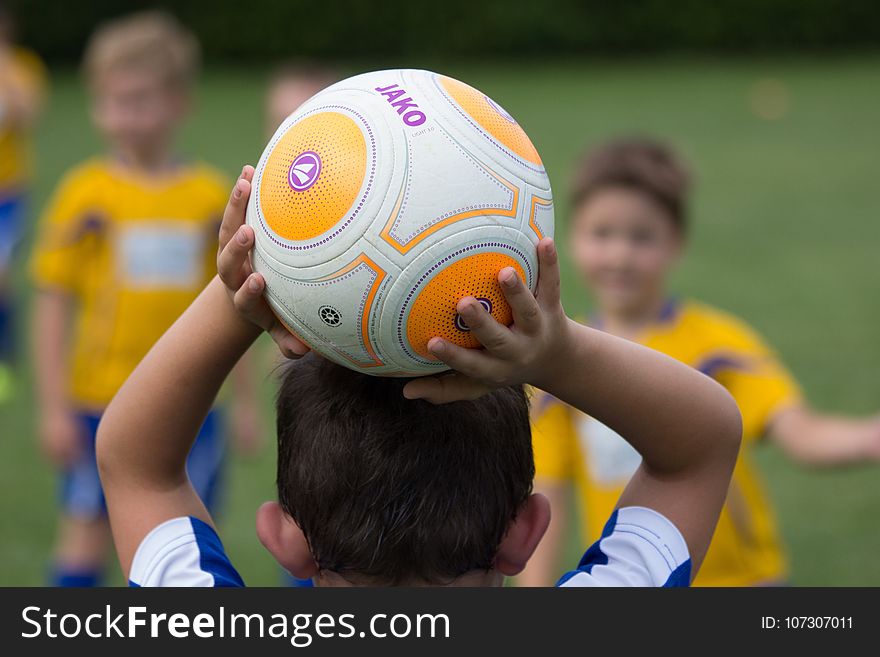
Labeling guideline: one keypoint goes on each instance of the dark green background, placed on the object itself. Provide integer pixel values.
(500, 28)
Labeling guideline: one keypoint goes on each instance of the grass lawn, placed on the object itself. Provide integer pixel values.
(786, 234)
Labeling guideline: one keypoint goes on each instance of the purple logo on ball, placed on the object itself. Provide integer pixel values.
(304, 171)
(460, 323)
(503, 112)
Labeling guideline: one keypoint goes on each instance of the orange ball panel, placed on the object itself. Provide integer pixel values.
(477, 105)
(302, 215)
(433, 312)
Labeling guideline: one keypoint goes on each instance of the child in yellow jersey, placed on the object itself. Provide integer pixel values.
(626, 234)
(127, 242)
(22, 85)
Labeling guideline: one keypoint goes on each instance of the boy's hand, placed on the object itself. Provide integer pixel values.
(245, 287)
(529, 351)
(61, 437)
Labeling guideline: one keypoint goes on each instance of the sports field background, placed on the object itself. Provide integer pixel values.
(786, 234)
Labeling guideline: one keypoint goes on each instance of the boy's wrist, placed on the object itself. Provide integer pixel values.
(564, 358)
(238, 326)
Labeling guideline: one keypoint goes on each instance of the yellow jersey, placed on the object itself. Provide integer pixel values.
(133, 252)
(573, 447)
(15, 157)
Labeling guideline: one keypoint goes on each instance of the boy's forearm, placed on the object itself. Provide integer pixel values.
(149, 427)
(668, 411)
(50, 329)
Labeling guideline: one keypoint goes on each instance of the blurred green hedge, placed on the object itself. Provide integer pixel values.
(391, 28)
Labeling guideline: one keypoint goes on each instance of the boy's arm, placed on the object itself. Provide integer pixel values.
(817, 439)
(686, 426)
(59, 431)
(148, 429)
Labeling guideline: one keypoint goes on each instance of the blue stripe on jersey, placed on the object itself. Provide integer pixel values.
(594, 556)
(669, 311)
(183, 551)
(680, 577)
(212, 557)
(711, 366)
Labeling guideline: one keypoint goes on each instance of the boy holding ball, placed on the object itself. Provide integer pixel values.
(389, 482)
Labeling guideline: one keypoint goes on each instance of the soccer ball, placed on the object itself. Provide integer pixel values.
(381, 202)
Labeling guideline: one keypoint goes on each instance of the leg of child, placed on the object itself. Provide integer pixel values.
(81, 551)
(83, 538)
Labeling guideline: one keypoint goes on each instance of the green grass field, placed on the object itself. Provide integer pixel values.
(786, 234)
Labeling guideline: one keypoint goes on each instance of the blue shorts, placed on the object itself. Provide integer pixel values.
(81, 493)
(11, 226)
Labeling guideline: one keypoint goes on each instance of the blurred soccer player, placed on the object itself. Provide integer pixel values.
(626, 234)
(22, 86)
(127, 242)
(290, 86)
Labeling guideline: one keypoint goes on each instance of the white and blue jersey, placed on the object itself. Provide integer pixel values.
(182, 552)
(639, 547)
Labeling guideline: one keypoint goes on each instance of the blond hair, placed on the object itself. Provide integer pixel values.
(150, 41)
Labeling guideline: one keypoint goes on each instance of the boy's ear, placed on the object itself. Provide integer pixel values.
(285, 541)
(523, 535)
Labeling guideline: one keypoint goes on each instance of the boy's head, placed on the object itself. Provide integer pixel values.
(629, 219)
(141, 69)
(377, 489)
(290, 86)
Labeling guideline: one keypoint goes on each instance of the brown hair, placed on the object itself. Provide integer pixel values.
(641, 164)
(389, 490)
(152, 41)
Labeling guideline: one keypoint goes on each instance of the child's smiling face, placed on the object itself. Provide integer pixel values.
(624, 245)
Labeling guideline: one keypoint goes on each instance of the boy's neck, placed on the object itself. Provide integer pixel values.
(149, 161)
(491, 578)
(630, 323)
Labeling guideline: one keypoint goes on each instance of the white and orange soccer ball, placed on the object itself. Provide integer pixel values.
(384, 200)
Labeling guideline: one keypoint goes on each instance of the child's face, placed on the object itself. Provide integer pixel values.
(624, 245)
(137, 111)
